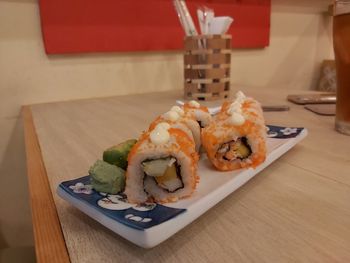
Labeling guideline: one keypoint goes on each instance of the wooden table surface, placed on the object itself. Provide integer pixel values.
(296, 210)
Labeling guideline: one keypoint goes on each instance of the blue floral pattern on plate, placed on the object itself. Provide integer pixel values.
(147, 215)
(116, 206)
(278, 132)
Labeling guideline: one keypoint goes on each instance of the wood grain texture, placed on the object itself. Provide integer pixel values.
(49, 241)
(296, 210)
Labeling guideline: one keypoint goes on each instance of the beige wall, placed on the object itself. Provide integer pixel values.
(300, 39)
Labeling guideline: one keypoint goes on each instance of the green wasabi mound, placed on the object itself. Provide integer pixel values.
(107, 178)
(118, 154)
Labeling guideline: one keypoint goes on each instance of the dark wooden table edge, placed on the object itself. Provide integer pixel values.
(49, 241)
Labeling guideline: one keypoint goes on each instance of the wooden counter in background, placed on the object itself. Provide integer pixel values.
(296, 210)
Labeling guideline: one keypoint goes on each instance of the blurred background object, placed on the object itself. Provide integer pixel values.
(341, 40)
(328, 80)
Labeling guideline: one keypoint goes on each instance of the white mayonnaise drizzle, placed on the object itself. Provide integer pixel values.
(237, 119)
(160, 134)
(194, 104)
(235, 109)
(163, 125)
(171, 115)
(240, 96)
(178, 110)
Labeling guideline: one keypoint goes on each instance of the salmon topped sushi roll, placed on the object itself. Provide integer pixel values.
(162, 166)
(237, 137)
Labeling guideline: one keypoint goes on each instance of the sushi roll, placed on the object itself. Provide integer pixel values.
(177, 119)
(237, 137)
(198, 112)
(193, 115)
(162, 166)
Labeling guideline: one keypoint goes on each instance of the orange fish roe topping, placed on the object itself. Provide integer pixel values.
(155, 122)
(182, 141)
(188, 107)
(247, 104)
(222, 131)
(225, 106)
(185, 143)
(144, 136)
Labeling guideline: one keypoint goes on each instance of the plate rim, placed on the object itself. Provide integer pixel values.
(152, 236)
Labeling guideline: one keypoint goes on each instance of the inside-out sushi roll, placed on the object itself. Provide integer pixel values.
(162, 166)
(237, 136)
(177, 119)
(199, 112)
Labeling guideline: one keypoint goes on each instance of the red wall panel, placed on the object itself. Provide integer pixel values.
(76, 26)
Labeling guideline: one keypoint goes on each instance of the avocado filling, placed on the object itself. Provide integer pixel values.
(238, 149)
(166, 173)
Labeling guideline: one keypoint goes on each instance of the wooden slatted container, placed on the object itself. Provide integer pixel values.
(207, 63)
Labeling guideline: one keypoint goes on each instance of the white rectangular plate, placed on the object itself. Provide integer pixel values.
(150, 224)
